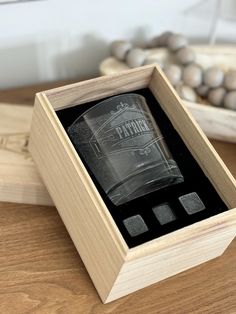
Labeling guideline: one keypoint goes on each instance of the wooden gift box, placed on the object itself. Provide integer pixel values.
(115, 268)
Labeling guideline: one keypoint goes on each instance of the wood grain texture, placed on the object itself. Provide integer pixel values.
(113, 267)
(20, 181)
(97, 88)
(41, 271)
(81, 207)
(204, 243)
(216, 123)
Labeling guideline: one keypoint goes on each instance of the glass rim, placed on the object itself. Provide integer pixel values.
(104, 101)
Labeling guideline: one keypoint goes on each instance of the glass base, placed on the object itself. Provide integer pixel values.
(150, 179)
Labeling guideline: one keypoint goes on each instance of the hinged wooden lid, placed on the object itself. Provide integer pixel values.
(19, 179)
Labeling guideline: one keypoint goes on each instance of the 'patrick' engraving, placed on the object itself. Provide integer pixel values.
(129, 128)
(124, 148)
(132, 127)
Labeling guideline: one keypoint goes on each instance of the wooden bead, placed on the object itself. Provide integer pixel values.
(135, 57)
(120, 48)
(230, 100)
(185, 55)
(161, 40)
(213, 77)
(192, 75)
(173, 73)
(186, 93)
(216, 96)
(202, 90)
(230, 80)
(176, 42)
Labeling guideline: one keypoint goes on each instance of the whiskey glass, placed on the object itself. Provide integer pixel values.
(124, 148)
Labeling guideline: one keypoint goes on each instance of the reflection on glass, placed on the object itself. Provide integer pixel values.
(124, 148)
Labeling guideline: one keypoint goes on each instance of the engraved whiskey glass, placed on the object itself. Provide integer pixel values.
(123, 147)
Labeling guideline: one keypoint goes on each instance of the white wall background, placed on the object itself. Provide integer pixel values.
(58, 39)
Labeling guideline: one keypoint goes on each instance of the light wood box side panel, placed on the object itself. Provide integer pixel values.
(172, 259)
(88, 222)
(194, 138)
(225, 220)
(98, 88)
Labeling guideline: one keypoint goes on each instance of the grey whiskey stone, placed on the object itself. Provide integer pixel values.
(164, 213)
(192, 203)
(135, 225)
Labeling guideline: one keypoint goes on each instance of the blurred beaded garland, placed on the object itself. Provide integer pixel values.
(190, 80)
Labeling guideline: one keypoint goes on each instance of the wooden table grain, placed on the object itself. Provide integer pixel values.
(42, 273)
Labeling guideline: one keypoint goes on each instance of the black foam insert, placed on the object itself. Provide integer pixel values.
(194, 181)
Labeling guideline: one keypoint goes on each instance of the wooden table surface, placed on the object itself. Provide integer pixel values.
(41, 271)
